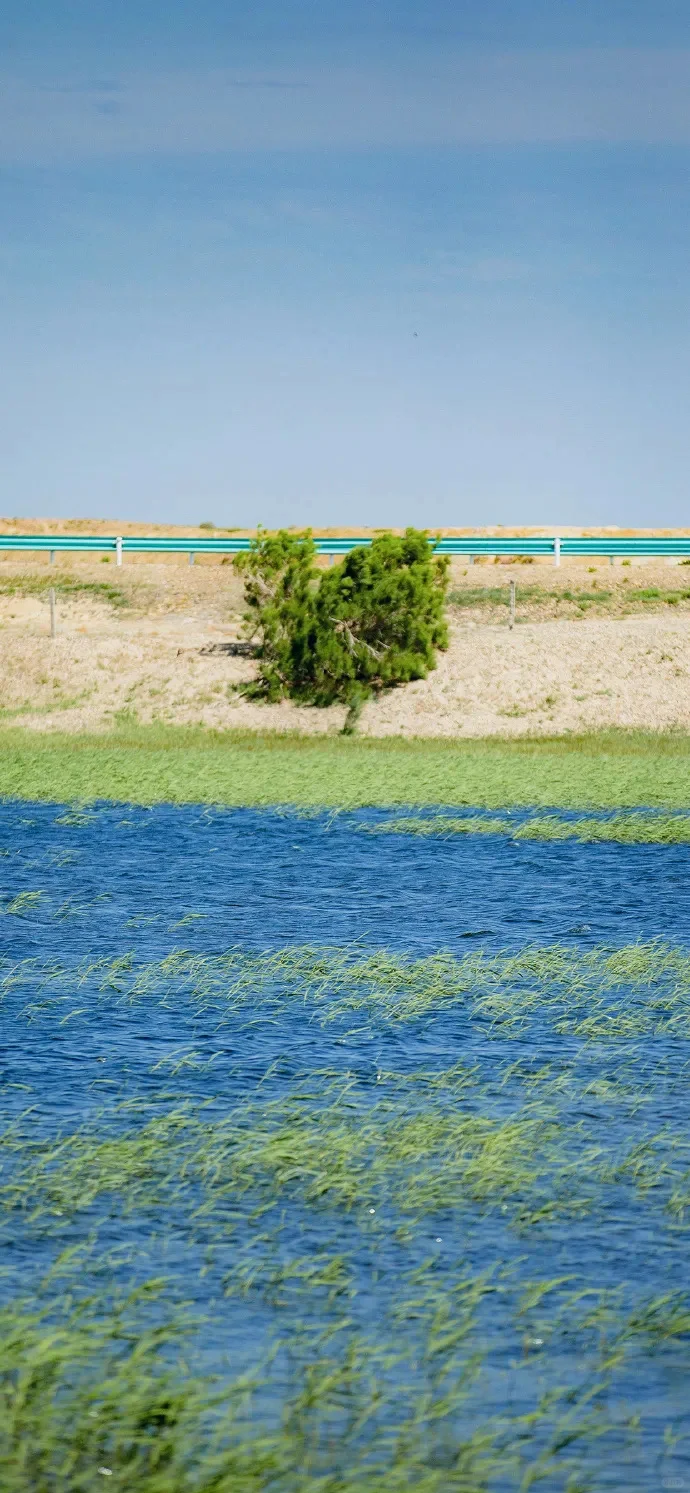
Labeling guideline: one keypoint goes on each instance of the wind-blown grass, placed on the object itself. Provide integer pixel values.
(622, 829)
(647, 984)
(331, 1218)
(91, 1395)
(165, 764)
(118, 1381)
(362, 1278)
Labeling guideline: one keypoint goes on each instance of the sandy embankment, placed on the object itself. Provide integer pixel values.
(545, 676)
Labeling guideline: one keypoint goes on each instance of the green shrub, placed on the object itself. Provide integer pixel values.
(340, 636)
(278, 592)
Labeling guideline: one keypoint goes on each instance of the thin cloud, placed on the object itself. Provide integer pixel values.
(281, 83)
(471, 99)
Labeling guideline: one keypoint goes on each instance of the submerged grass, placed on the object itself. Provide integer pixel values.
(338, 1152)
(178, 765)
(362, 1278)
(372, 1367)
(90, 1395)
(337, 1219)
(641, 987)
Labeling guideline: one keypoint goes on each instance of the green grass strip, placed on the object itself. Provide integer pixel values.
(614, 769)
(624, 829)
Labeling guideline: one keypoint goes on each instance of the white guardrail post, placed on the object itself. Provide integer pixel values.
(118, 550)
(557, 550)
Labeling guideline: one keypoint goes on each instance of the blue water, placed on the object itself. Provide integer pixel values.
(107, 883)
(264, 879)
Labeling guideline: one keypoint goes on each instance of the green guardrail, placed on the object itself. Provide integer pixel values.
(660, 545)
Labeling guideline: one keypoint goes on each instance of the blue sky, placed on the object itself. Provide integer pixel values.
(373, 263)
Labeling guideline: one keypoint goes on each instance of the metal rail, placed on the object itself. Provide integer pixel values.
(661, 545)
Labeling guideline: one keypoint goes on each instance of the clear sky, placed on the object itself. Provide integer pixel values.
(380, 261)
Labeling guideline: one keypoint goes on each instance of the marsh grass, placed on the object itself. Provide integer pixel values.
(334, 1219)
(117, 1379)
(155, 764)
(620, 829)
(643, 987)
(90, 1395)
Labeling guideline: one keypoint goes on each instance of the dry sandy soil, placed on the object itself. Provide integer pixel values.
(566, 666)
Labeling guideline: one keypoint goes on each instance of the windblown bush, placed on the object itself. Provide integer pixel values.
(278, 592)
(343, 635)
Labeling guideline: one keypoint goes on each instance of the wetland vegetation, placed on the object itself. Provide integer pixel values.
(139, 764)
(621, 829)
(307, 1192)
(396, 1274)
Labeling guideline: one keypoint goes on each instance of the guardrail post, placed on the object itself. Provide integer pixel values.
(118, 550)
(470, 559)
(52, 557)
(557, 550)
(191, 557)
(612, 559)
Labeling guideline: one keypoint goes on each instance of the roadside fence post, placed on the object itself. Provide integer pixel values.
(557, 550)
(118, 550)
(52, 557)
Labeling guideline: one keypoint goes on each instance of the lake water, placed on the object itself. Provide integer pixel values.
(391, 1096)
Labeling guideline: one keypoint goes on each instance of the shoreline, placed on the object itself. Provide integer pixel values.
(609, 769)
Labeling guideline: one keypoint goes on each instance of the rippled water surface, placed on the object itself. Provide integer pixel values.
(408, 1112)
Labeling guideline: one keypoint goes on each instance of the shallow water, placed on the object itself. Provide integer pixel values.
(279, 1103)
